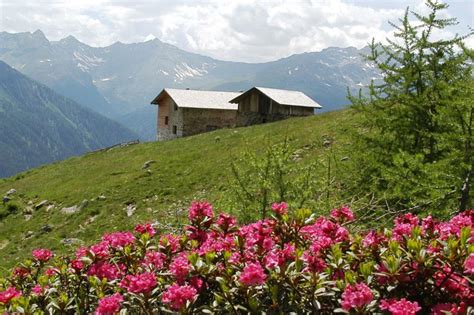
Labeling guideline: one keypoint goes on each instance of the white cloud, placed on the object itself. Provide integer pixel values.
(244, 30)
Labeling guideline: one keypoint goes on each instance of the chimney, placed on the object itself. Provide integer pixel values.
(187, 88)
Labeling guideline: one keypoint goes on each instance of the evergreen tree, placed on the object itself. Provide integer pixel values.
(416, 140)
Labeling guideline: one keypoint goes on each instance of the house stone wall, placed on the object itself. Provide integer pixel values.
(175, 118)
(198, 120)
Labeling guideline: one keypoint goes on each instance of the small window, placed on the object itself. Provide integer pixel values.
(175, 130)
(166, 120)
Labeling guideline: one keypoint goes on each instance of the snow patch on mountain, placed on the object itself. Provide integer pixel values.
(183, 71)
(87, 62)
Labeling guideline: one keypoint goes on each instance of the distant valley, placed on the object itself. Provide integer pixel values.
(39, 126)
(120, 80)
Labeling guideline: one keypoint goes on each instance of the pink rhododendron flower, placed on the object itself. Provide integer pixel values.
(448, 308)
(195, 233)
(400, 307)
(42, 254)
(177, 296)
(20, 272)
(453, 283)
(156, 259)
(272, 259)
(313, 263)
(226, 221)
(235, 258)
(197, 283)
(38, 290)
(469, 264)
(428, 224)
(280, 208)
(118, 240)
(372, 239)
(51, 272)
(109, 305)
(455, 225)
(101, 250)
(343, 214)
(106, 270)
(77, 265)
(324, 228)
(217, 242)
(9, 294)
(253, 274)
(180, 267)
(200, 210)
(404, 224)
(356, 296)
(172, 241)
(141, 283)
(145, 228)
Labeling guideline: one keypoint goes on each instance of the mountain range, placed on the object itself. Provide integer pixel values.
(120, 80)
(39, 126)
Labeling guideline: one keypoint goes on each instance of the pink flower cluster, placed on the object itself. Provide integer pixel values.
(42, 255)
(141, 283)
(177, 296)
(118, 240)
(400, 307)
(220, 266)
(343, 214)
(145, 228)
(469, 264)
(253, 274)
(200, 210)
(9, 294)
(109, 304)
(356, 297)
(280, 208)
(180, 267)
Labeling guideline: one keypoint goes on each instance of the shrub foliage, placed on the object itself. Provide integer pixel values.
(292, 261)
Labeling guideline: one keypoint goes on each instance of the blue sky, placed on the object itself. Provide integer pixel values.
(243, 30)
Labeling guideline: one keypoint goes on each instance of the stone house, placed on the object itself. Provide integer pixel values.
(260, 105)
(187, 112)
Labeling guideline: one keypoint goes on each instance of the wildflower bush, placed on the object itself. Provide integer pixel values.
(293, 261)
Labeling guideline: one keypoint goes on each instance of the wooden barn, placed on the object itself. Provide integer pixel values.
(187, 112)
(259, 105)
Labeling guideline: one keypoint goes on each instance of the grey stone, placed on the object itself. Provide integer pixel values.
(41, 204)
(28, 217)
(6, 199)
(50, 207)
(46, 228)
(29, 234)
(148, 163)
(11, 192)
(83, 204)
(327, 143)
(101, 197)
(130, 209)
(344, 158)
(70, 210)
(72, 241)
(28, 210)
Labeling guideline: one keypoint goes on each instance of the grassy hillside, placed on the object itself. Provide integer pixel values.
(184, 169)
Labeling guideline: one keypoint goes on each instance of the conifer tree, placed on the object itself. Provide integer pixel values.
(416, 144)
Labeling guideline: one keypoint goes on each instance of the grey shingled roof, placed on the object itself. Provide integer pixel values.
(285, 97)
(200, 99)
